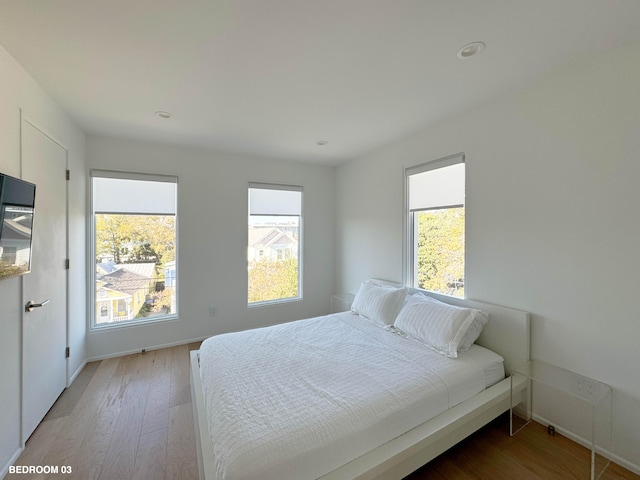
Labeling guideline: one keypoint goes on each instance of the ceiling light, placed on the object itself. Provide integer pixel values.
(165, 115)
(322, 143)
(471, 49)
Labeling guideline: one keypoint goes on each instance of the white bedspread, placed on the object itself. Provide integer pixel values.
(297, 400)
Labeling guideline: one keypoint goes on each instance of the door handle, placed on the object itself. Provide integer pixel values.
(31, 305)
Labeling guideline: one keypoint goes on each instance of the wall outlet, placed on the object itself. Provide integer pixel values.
(584, 388)
(213, 311)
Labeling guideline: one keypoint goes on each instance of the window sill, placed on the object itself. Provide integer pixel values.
(131, 323)
(269, 303)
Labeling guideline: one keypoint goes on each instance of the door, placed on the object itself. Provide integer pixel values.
(44, 334)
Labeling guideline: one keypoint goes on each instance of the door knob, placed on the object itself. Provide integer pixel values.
(31, 305)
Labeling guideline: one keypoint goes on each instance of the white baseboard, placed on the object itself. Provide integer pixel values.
(76, 373)
(146, 348)
(585, 443)
(12, 460)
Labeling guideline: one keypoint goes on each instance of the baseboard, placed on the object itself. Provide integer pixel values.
(76, 373)
(585, 443)
(146, 348)
(12, 460)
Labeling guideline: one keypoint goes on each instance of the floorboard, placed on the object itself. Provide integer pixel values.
(130, 418)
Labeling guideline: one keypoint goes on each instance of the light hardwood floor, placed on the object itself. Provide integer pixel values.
(130, 418)
(133, 420)
(531, 454)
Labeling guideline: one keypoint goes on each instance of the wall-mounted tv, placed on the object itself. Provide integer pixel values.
(17, 200)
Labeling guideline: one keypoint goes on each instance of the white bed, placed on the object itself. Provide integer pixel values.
(387, 447)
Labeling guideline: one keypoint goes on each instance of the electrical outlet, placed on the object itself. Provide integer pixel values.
(213, 311)
(584, 388)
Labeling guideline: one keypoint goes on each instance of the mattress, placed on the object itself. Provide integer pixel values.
(300, 399)
(491, 363)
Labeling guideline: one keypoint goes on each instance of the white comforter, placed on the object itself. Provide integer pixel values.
(297, 400)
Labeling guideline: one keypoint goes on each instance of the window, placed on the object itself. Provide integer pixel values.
(435, 225)
(134, 248)
(275, 227)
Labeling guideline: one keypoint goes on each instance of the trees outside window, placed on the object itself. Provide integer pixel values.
(440, 250)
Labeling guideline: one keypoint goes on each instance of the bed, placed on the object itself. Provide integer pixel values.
(415, 428)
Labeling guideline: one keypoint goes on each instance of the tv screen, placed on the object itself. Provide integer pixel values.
(17, 200)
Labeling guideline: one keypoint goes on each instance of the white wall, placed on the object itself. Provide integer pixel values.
(553, 176)
(212, 218)
(19, 91)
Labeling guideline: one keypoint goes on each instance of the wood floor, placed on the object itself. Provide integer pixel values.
(531, 454)
(133, 420)
(130, 418)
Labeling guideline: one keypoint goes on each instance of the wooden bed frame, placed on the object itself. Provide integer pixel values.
(507, 333)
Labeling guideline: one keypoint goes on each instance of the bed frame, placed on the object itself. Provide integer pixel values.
(507, 333)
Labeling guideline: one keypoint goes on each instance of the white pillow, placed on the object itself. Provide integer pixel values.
(445, 328)
(479, 321)
(377, 302)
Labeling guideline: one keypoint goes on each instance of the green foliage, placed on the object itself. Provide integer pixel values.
(136, 238)
(441, 250)
(273, 280)
(160, 304)
(112, 233)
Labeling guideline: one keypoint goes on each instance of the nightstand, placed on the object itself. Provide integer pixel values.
(579, 407)
(341, 302)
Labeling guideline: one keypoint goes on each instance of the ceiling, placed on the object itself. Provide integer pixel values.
(273, 77)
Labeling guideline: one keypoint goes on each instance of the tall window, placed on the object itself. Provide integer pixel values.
(274, 251)
(134, 247)
(435, 227)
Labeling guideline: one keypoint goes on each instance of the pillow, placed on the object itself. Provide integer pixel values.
(445, 328)
(479, 321)
(377, 302)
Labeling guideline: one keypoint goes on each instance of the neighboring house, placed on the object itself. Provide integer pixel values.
(170, 274)
(121, 293)
(170, 282)
(147, 270)
(111, 305)
(271, 243)
(103, 268)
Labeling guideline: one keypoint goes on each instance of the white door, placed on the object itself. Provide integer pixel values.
(44, 337)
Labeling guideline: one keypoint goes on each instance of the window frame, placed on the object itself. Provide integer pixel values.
(292, 188)
(410, 258)
(91, 263)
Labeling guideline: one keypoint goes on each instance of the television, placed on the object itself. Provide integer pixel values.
(17, 201)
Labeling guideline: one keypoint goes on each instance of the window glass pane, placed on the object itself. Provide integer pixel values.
(274, 239)
(135, 253)
(440, 250)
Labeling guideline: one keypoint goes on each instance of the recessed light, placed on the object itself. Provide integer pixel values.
(471, 49)
(322, 143)
(165, 115)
